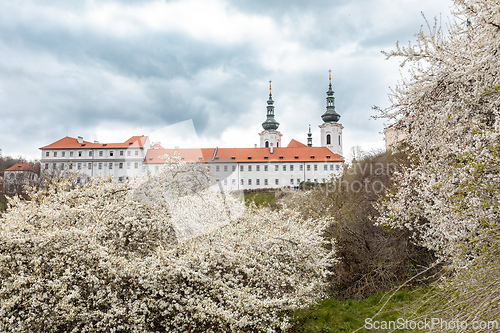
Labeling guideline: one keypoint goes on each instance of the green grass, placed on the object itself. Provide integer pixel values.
(260, 198)
(347, 316)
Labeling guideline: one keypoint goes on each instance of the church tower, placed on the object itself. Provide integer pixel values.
(331, 130)
(270, 137)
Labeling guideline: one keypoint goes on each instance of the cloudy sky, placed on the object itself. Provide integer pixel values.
(196, 72)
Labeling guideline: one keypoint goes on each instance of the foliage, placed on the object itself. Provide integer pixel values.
(449, 109)
(121, 256)
(372, 258)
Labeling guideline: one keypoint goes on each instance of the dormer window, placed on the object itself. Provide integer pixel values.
(312, 156)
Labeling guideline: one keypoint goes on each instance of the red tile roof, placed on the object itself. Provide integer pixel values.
(295, 144)
(72, 143)
(21, 167)
(294, 154)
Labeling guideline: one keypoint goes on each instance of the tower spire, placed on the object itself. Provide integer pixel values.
(270, 124)
(309, 137)
(330, 116)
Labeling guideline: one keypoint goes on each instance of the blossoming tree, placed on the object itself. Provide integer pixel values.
(161, 254)
(449, 110)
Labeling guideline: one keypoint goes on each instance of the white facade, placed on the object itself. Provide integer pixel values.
(270, 139)
(86, 160)
(331, 137)
(248, 176)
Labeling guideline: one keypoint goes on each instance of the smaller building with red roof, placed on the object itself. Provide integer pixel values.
(17, 177)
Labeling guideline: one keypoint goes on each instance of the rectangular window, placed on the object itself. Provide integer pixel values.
(298, 180)
(89, 165)
(101, 153)
(100, 166)
(242, 182)
(324, 180)
(136, 165)
(257, 168)
(249, 168)
(265, 167)
(301, 167)
(265, 182)
(46, 166)
(315, 180)
(70, 154)
(90, 153)
(291, 181)
(291, 167)
(308, 167)
(111, 165)
(315, 167)
(284, 167)
(241, 167)
(47, 154)
(79, 153)
(257, 182)
(233, 181)
(136, 152)
(70, 166)
(276, 167)
(79, 165)
(331, 167)
(249, 182)
(55, 154)
(217, 168)
(325, 167)
(225, 181)
(120, 165)
(128, 152)
(111, 153)
(128, 165)
(121, 152)
(277, 181)
(63, 154)
(234, 168)
(225, 169)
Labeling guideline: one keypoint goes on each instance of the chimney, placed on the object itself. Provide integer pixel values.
(80, 139)
(271, 150)
(255, 145)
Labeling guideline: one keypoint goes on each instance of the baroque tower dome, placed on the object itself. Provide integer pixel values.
(330, 116)
(270, 124)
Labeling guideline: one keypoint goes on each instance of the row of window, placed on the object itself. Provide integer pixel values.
(284, 167)
(249, 182)
(80, 153)
(88, 165)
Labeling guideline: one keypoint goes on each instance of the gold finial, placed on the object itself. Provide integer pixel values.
(330, 75)
(269, 85)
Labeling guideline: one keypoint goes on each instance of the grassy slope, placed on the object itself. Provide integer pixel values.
(347, 316)
(260, 198)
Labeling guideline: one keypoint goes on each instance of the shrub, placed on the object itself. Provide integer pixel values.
(119, 257)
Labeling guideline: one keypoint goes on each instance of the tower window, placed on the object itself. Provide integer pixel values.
(339, 140)
(328, 139)
(267, 144)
